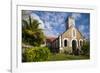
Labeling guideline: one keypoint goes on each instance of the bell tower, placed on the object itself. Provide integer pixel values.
(70, 22)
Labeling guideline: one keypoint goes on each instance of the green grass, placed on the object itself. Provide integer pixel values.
(40, 54)
(59, 57)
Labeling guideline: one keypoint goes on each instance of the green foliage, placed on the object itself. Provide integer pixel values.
(86, 48)
(62, 56)
(31, 33)
(36, 54)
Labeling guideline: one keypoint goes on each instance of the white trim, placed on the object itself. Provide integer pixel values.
(80, 40)
(76, 42)
(73, 29)
(60, 47)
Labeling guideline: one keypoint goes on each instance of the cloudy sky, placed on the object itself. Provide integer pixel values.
(53, 23)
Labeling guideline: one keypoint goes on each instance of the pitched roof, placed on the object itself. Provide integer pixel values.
(50, 39)
(68, 29)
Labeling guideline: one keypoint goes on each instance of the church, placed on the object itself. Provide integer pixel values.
(70, 41)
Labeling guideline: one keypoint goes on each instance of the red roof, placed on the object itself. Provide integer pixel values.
(50, 39)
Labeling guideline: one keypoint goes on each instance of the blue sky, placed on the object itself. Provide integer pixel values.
(53, 23)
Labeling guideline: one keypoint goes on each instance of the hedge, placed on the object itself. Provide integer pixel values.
(36, 54)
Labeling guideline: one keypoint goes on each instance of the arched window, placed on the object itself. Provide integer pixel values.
(73, 33)
(65, 43)
(81, 43)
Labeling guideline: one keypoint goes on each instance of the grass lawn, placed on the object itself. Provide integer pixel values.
(38, 54)
(58, 57)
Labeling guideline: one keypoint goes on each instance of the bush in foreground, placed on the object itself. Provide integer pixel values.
(36, 54)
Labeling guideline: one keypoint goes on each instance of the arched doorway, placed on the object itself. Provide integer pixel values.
(74, 46)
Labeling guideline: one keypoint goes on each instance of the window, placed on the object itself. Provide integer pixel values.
(65, 43)
(80, 43)
(73, 33)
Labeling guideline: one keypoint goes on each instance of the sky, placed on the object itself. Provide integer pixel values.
(53, 23)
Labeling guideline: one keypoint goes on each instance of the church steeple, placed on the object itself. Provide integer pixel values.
(70, 22)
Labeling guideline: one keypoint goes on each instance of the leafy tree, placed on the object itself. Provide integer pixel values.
(31, 33)
(86, 48)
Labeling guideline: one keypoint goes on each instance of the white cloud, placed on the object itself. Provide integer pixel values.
(49, 21)
(35, 16)
(49, 30)
(26, 12)
(52, 21)
(86, 34)
(48, 26)
(51, 33)
(76, 15)
(81, 28)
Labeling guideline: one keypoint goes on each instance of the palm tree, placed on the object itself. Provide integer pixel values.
(31, 33)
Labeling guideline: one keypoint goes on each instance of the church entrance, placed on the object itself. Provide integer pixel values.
(74, 46)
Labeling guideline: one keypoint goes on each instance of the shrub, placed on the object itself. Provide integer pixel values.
(86, 48)
(68, 50)
(36, 54)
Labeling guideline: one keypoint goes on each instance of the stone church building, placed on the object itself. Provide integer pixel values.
(69, 41)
